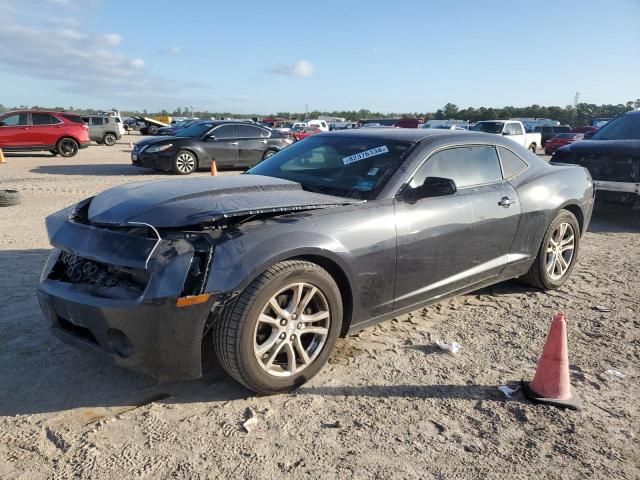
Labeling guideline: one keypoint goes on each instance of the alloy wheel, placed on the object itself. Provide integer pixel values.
(560, 249)
(68, 147)
(109, 139)
(292, 329)
(185, 163)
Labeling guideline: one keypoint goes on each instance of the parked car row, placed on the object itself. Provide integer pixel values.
(61, 133)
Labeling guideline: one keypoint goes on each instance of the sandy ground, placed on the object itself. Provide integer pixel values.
(389, 404)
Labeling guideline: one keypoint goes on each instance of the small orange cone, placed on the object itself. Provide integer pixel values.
(551, 384)
(214, 168)
(2, 160)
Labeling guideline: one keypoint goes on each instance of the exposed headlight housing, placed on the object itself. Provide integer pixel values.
(159, 148)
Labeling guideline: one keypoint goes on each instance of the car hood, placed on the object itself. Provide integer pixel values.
(203, 201)
(159, 139)
(605, 147)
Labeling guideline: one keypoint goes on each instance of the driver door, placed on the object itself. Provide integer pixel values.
(221, 145)
(448, 242)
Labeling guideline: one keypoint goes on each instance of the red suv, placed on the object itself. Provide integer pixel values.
(57, 132)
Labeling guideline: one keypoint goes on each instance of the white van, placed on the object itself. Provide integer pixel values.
(321, 124)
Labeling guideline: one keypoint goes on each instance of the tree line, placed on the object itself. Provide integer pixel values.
(580, 115)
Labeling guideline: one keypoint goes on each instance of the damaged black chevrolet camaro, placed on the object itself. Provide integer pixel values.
(335, 233)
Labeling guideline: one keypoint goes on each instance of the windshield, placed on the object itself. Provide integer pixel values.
(197, 130)
(488, 127)
(625, 127)
(337, 165)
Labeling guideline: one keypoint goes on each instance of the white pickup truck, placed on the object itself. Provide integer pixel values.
(512, 129)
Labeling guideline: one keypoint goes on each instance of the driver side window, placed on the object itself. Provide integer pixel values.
(466, 166)
(15, 120)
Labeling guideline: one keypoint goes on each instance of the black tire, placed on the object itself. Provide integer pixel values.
(9, 198)
(181, 164)
(109, 139)
(235, 329)
(268, 153)
(152, 130)
(533, 147)
(67, 147)
(538, 275)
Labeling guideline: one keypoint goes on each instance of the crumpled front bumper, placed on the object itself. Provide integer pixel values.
(152, 336)
(136, 323)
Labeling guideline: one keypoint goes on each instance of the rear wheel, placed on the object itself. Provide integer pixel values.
(281, 329)
(67, 147)
(109, 139)
(185, 163)
(558, 253)
(533, 147)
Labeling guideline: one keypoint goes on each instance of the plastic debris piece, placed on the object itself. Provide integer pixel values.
(508, 392)
(602, 308)
(452, 348)
(616, 373)
(250, 422)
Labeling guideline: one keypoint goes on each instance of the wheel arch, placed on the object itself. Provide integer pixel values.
(577, 212)
(193, 152)
(341, 279)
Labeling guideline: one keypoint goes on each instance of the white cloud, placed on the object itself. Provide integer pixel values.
(301, 68)
(85, 62)
(172, 50)
(112, 39)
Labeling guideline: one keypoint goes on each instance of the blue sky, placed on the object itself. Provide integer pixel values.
(259, 56)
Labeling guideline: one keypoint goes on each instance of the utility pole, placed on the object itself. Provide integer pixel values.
(576, 100)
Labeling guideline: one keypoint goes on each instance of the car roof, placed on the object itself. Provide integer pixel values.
(58, 112)
(407, 134)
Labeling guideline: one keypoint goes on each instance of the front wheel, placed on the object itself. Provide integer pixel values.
(281, 329)
(268, 153)
(67, 147)
(557, 254)
(185, 163)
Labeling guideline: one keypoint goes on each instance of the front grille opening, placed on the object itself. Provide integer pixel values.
(77, 331)
(72, 268)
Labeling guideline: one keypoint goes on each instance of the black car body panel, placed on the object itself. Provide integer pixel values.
(201, 201)
(614, 164)
(230, 144)
(216, 235)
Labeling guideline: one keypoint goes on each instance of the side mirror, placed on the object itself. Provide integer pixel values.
(431, 187)
(588, 135)
(2, 124)
(506, 133)
(211, 138)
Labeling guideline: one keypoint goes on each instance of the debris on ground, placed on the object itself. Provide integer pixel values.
(602, 308)
(251, 422)
(616, 373)
(508, 391)
(452, 348)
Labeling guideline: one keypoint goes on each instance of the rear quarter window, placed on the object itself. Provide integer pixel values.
(512, 164)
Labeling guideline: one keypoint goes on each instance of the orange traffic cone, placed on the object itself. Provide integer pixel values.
(214, 168)
(2, 160)
(551, 384)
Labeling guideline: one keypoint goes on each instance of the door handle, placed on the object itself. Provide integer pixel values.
(506, 202)
(233, 143)
(264, 141)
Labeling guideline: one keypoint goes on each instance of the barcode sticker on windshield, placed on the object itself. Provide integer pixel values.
(362, 155)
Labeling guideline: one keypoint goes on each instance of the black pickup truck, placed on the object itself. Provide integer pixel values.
(612, 156)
